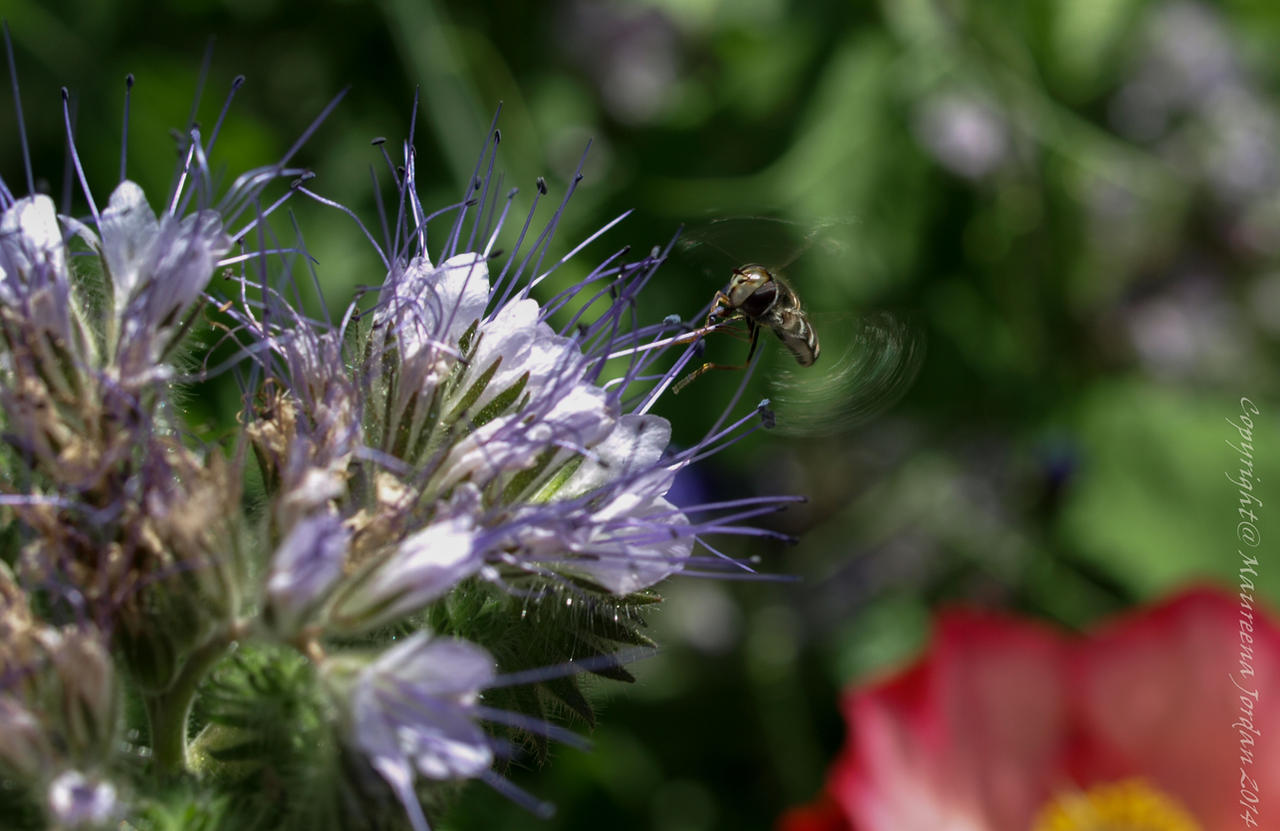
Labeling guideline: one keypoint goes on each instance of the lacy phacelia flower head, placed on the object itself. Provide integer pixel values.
(446, 454)
(451, 455)
(483, 441)
(132, 523)
(126, 555)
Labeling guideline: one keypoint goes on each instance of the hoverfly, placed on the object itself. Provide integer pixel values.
(876, 355)
(764, 300)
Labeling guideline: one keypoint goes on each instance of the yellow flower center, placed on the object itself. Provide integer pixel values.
(1131, 805)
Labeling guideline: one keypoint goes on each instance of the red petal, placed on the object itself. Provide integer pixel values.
(970, 735)
(1002, 714)
(1160, 695)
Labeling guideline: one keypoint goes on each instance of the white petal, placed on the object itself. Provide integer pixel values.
(35, 218)
(580, 417)
(510, 336)
(525, 345)
(183, 258)
(463, 292)
(306, 565)
(414, 703)
(624, 566)
(577, 419)
(435, 306)
(636, 443)
(451, 748)
(30, 242)
(424, 567)
(129, 229)
(439, 666)
(502, 445)
(76, 801)
(159, 267)
(375, 735)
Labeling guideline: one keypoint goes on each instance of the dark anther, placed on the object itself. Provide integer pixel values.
(66, 96)
(542, 183)
(767, 416)
(238, 81)
(128, 81)
(378, 141)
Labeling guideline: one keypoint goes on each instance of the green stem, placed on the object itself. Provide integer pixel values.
(168, 711)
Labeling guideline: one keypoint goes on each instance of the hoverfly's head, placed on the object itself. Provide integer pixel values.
(745, 282)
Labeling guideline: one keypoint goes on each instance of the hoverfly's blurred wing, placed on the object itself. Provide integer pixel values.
(860, 379)
(721, 245)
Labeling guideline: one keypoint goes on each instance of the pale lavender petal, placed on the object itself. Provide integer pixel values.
(307, 563)
(76, 801)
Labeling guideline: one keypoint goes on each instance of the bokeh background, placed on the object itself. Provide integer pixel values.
(1072, 209)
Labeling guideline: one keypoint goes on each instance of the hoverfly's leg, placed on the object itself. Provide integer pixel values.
(705, 368)
(714, 320)
(697, 373)
(755, 339)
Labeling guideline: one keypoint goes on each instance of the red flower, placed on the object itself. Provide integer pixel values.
(1165, 719)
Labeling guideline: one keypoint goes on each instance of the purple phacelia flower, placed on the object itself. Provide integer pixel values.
(307, 564)
(422, 567)
(413, 712)
(76, 801)
(485, 442)
(464, 440)
(158, 270)
(34, 285)
(445, 455)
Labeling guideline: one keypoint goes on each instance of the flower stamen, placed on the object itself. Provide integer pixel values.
(1128, 805)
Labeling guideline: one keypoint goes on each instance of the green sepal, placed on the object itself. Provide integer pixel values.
(566, 691)
(536, 628)
(500, 403)
(474, 391)
(464, 342)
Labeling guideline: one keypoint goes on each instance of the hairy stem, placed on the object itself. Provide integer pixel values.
(168, 711)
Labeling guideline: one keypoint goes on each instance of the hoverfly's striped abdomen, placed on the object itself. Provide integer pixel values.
(789, 322)
(797, 335)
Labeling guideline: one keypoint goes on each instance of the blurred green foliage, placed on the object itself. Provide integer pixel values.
(1076, 203)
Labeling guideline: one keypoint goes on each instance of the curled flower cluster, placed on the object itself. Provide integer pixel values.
(439, 510)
